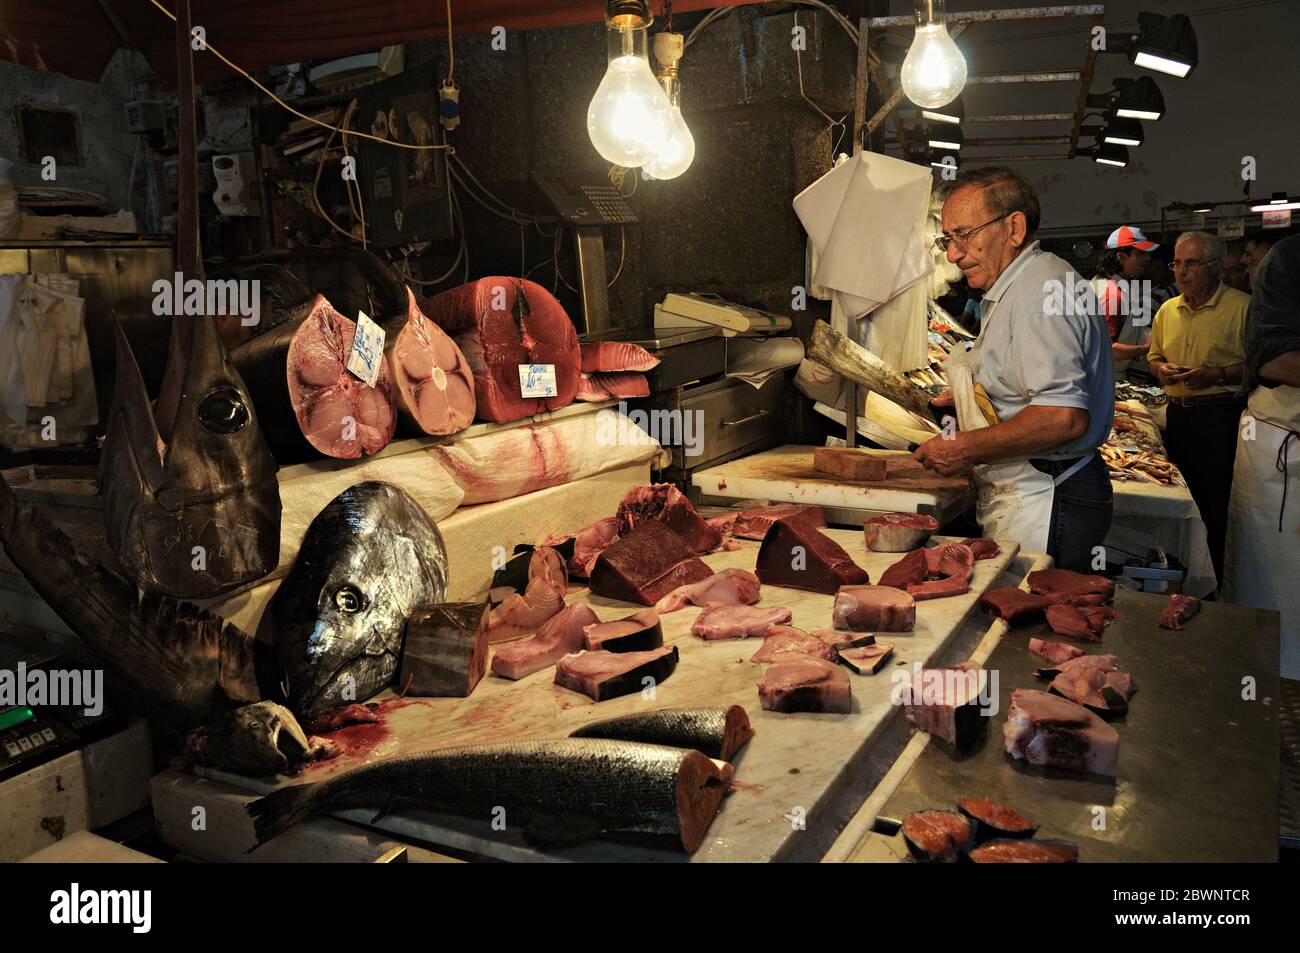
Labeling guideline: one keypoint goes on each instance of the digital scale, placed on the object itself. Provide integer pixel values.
(589, 205)
(31, 735)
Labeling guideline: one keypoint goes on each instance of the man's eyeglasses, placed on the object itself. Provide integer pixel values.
(1177, 265)
(962, 239)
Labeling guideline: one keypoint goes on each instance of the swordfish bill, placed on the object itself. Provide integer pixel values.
(192, 512)
(832, 349)
(165, 659)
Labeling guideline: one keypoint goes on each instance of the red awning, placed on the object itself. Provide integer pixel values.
(78, 37)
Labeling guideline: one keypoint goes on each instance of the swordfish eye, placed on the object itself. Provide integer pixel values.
(348, 598)
(224, 411)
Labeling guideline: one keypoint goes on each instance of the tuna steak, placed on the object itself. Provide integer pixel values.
(605, 675)
(606, 357)
(755, 522)
(560, 635)
(561, 791)
(737, 622)
(205, 490)
(308, 401)
(1055, 732)
(638, 632)
(936, 836)
(368, 559)
(1014, 605)
(898, 532)
(782, 640)
(521, 614)
(1087, 622)
(1065, 585)
(801, 683)
(1180, 609)
(445, 650)
(717, 732)
(1013, 851)
(434, 385)
(873, 609)
(499, 324)
(731, 586)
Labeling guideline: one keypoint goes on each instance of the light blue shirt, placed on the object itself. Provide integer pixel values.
(1031, 355)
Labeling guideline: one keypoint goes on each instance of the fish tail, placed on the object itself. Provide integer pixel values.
(280, 810)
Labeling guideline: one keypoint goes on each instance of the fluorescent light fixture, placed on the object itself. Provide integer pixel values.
(1276, 206)
(1167, 44)
(939, 117)
(942, 159)
(1203, 209)
(949, 137)
(1123, 132)
(1108, 154)
(953, 113)
(1140, 99)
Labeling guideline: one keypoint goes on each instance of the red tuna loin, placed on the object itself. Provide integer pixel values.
(434, 383)
(898, 532)
(737, 622)
(1066, 584)
(936, 836)
(1080, 623)
(945, 703)
(873, 609)
(798, 556)
(645, 565)
(500, 323)
(1055, 732)
(604, 675)
(785, 640)
(664, 503)
(794, 683)
(1180, 609)
(638, 632)
(911, 570)
(982, 548)
(520, 614)
(948, 569)
(560, 635)
(606, 357)
(1014, 605)
(597, 387)
(1009, 851)
(731, 587)
(754, 523)
(307, 401)
(1094, 682)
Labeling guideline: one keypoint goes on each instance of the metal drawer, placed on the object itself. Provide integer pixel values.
(723, 417)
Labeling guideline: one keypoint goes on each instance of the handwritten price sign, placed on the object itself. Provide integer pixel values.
(367, 350)
(537, 380)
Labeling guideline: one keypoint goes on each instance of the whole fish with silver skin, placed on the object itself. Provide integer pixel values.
(559, 792)
(368, 559)
(718, 731)
(191, 502)
(170, 661)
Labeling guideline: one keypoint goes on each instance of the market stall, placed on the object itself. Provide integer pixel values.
(410, 475)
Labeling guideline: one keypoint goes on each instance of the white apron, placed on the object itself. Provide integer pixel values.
(1260, 560)
(1014, 499)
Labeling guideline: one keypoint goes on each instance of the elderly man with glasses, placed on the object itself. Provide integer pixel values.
(1198, 347)
(1035, 392)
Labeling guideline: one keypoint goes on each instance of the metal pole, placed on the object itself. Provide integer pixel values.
(1023, 117)
(1085, 82)
(1049, 76)
(1066, 12)
(1019, 141)
(187, 222)
(1020, 158)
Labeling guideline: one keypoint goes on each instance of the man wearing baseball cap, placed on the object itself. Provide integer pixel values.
(1128, 254)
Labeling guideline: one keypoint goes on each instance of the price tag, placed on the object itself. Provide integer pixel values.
(367, 350)
(537, 380)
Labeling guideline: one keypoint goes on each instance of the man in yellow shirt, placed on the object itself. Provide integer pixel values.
(1198, 348)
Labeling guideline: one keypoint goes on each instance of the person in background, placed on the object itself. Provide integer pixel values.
(1258, 244)
(1198, 349)
(1130, 255)
(1161, 276)
(1048, 377)
(1263, 518)
(1234, 270)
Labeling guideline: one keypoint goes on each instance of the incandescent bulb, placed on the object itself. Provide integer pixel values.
(934, 71)
(630, 116)
(678, 151)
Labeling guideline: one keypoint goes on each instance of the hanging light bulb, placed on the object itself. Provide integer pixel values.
(630, 116)
(934, 71)
(678, 150)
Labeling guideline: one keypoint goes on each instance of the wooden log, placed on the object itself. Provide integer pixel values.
(446, 649)
(832, 349)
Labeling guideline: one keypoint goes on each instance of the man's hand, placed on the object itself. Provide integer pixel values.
(944, 399)
(1198, 377)
(947, 456)
(1168, 373)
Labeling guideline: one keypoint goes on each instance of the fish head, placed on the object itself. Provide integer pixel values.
(368, 560)
(196, 512)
